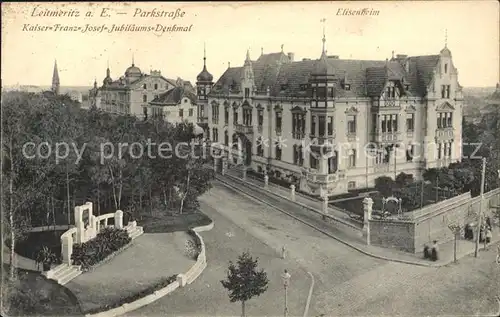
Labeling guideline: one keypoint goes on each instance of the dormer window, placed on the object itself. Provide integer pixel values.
(347, 86)
(284, 87)
(407, 87)
(303, 87)
(144, 86)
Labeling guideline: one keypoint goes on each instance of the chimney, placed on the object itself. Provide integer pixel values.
(401, 56)
(291, 56)
(333, 56)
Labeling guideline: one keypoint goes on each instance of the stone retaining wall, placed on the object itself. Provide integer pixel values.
(182, 280)
(431, 222)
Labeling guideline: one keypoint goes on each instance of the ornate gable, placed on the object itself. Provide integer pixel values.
(278, 107)
(246, 104)
(298, 109)
(235, 105)
(445, 106)
(410, 108)
(259, 107)
(352, 110)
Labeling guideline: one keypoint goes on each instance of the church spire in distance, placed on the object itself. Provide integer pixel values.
(55, 79)
(323, 52)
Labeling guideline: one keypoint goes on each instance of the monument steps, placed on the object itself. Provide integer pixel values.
(134, 232)
(64, 273)
(69, 276)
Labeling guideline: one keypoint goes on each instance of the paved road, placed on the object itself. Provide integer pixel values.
(347, 282)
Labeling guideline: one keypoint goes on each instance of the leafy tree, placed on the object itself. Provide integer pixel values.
(385, 185)
(244, 281)
(404, 179)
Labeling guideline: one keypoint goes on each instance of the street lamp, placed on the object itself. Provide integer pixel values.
(480, 208)
(286, 281)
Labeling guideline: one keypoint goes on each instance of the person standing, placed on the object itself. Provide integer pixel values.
(489, 235)
(283, 252)
(434, 251)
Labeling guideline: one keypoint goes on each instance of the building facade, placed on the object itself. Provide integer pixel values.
(175, 106)
(131, 93)
(329, 125)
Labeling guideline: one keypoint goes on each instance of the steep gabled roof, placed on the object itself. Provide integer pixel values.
(174, 97)
(365, 77)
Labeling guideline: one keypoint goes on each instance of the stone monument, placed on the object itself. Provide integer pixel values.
(85, 223)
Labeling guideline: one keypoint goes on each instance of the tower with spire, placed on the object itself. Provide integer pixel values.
(107, 80)
(247, 77)
(204, 83)
(324, 83)
(55, 79)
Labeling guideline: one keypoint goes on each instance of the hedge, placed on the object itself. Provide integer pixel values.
(164, 282)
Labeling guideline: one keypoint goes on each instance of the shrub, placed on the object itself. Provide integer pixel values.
(106, 242)
(193, 247)
(385, 185)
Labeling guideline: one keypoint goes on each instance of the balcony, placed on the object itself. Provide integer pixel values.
(278, 131)
(387, 106)
(386, 137)
(244, 129)
(298, 135)
(323, 145)
(202, 119)
(445, 134)
(322, 178)
(351, 137)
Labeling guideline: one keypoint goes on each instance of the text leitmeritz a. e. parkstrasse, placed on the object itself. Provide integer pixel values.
(101, 20)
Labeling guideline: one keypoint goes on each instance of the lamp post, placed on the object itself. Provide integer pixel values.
(480, 208)
(286, 281)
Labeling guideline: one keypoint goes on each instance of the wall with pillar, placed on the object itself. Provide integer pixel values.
(422, 226)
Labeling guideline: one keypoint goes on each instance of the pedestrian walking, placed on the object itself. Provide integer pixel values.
(489, 235)
(283, 252)
(498, 254)
(434, 251)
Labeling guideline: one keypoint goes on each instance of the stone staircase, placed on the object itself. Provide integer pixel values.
(63, 273)
(133, 230)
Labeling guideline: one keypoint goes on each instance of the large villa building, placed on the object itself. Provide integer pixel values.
(328, 124)
(145, 95)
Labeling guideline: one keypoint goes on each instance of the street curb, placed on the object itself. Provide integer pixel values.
(334, 237)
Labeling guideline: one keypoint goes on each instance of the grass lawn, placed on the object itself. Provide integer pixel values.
(162, 223)
(31, 294)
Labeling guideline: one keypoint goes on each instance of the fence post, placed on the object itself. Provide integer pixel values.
(66, 249)
(292, 192)
(367, 208)
(119, 219)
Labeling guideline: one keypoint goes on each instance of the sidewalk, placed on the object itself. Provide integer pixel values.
(274, 197)
(317, 205)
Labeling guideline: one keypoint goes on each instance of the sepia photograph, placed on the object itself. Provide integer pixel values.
(276, 158)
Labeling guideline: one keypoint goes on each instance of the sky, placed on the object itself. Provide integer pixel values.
(228, 29)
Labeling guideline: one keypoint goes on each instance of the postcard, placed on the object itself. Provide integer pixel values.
(250, 158)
